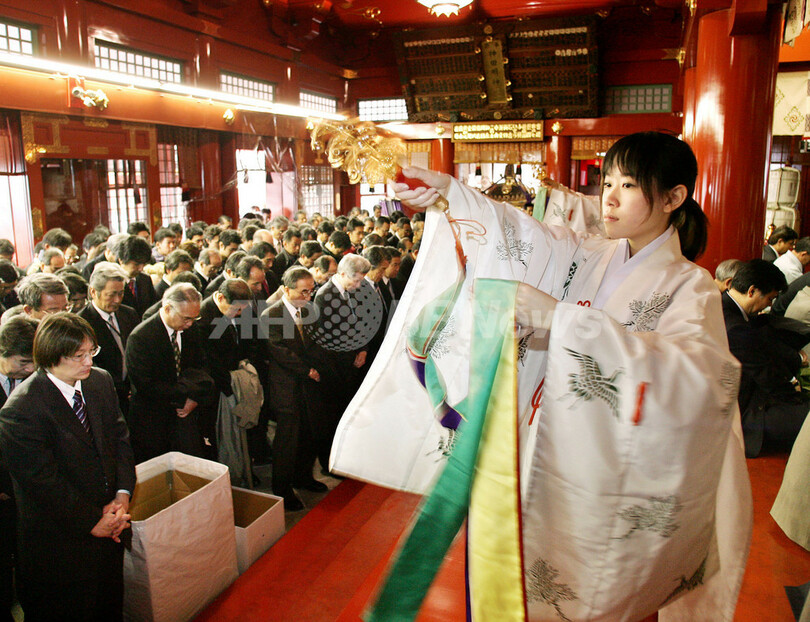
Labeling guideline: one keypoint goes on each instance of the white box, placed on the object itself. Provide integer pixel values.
(183, 551)
(259, 520)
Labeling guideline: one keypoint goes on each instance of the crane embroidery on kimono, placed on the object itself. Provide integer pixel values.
(646, 312)
(523, 347)
(687, 585)
(591, 383)
(658, 516)
(571, 272)
(514, 248)
(541, 586)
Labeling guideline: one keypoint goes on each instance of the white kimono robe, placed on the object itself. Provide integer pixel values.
(634, 486)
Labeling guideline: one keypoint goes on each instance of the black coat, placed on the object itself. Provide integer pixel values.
(768, 254)
(63, 476)
(145, 291)
(770, 359)
(110, 357)
(156, 393)
(223, 346)
(291, 356)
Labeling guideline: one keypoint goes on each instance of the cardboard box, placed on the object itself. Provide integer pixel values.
(183, 551)
(259, 520)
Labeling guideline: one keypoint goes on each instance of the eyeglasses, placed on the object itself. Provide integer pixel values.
(186, 318)
(52, 311)
(78, 358)
(306, 292)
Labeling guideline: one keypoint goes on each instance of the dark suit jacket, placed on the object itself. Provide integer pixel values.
(768, 254)
(283, 261)
(769, 362)
(203, 281)
(156, 393)
(110, 357)
(291, 356)
(214, 285)
(146, 296)
(87, 271)
(223, 348)
(63, 476)
(161, 288)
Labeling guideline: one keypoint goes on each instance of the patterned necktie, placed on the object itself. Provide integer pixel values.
(12, 382)
(176, 348)
(132, 288)
(78, 408)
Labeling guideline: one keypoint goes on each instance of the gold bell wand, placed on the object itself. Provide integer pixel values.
(361, 149)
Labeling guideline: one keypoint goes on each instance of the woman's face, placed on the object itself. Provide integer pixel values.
(627, 213)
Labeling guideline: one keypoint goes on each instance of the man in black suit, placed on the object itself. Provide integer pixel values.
(166, 365)
(229, 272)
(176, 262)
(133, 254)
(771, 408)
(112, 322)
(296, 363)
(208, 266)
(66, 446)
(223, 342)
(267, 253)
(109, 253)
(354, 317)
(782, 240)
(41, 294)
(16, 364)
(289, 254)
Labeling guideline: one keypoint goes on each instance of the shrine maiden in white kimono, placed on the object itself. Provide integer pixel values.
(635, 494)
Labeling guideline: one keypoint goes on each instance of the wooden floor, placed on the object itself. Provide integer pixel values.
(327, 567)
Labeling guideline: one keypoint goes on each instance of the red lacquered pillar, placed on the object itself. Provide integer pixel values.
(558, 159)
(441, 156)
(733, 111)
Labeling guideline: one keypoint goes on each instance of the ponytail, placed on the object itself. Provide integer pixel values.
(693, 228)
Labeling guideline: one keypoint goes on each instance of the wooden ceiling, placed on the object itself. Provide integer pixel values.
(384, 14)
(352, 31)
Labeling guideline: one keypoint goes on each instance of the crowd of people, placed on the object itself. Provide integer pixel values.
(135, 342)
(138, 343)
(767, 315)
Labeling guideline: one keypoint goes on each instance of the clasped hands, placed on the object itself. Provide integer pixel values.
(187, 409)
(114, 519)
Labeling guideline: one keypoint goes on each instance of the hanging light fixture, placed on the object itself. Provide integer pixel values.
(444, 7)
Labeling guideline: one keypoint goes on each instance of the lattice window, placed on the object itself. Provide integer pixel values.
(317, 190)
(172, 207)
(15, 39)
(638, 99)
(317, 102)
(133, 62)
(247, 87)
(382, 109)
(126, 193)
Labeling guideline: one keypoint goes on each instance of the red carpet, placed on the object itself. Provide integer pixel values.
(328, 566)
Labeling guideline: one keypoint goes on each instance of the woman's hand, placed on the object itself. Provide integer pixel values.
(420, 198)
(533, 307)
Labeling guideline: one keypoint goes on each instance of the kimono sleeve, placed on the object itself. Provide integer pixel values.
(633, 435)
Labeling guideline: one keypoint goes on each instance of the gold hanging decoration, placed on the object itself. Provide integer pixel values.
(363, 151)
(358, 148)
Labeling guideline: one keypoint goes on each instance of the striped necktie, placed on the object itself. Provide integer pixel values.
(79, 409)
(176, 348)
